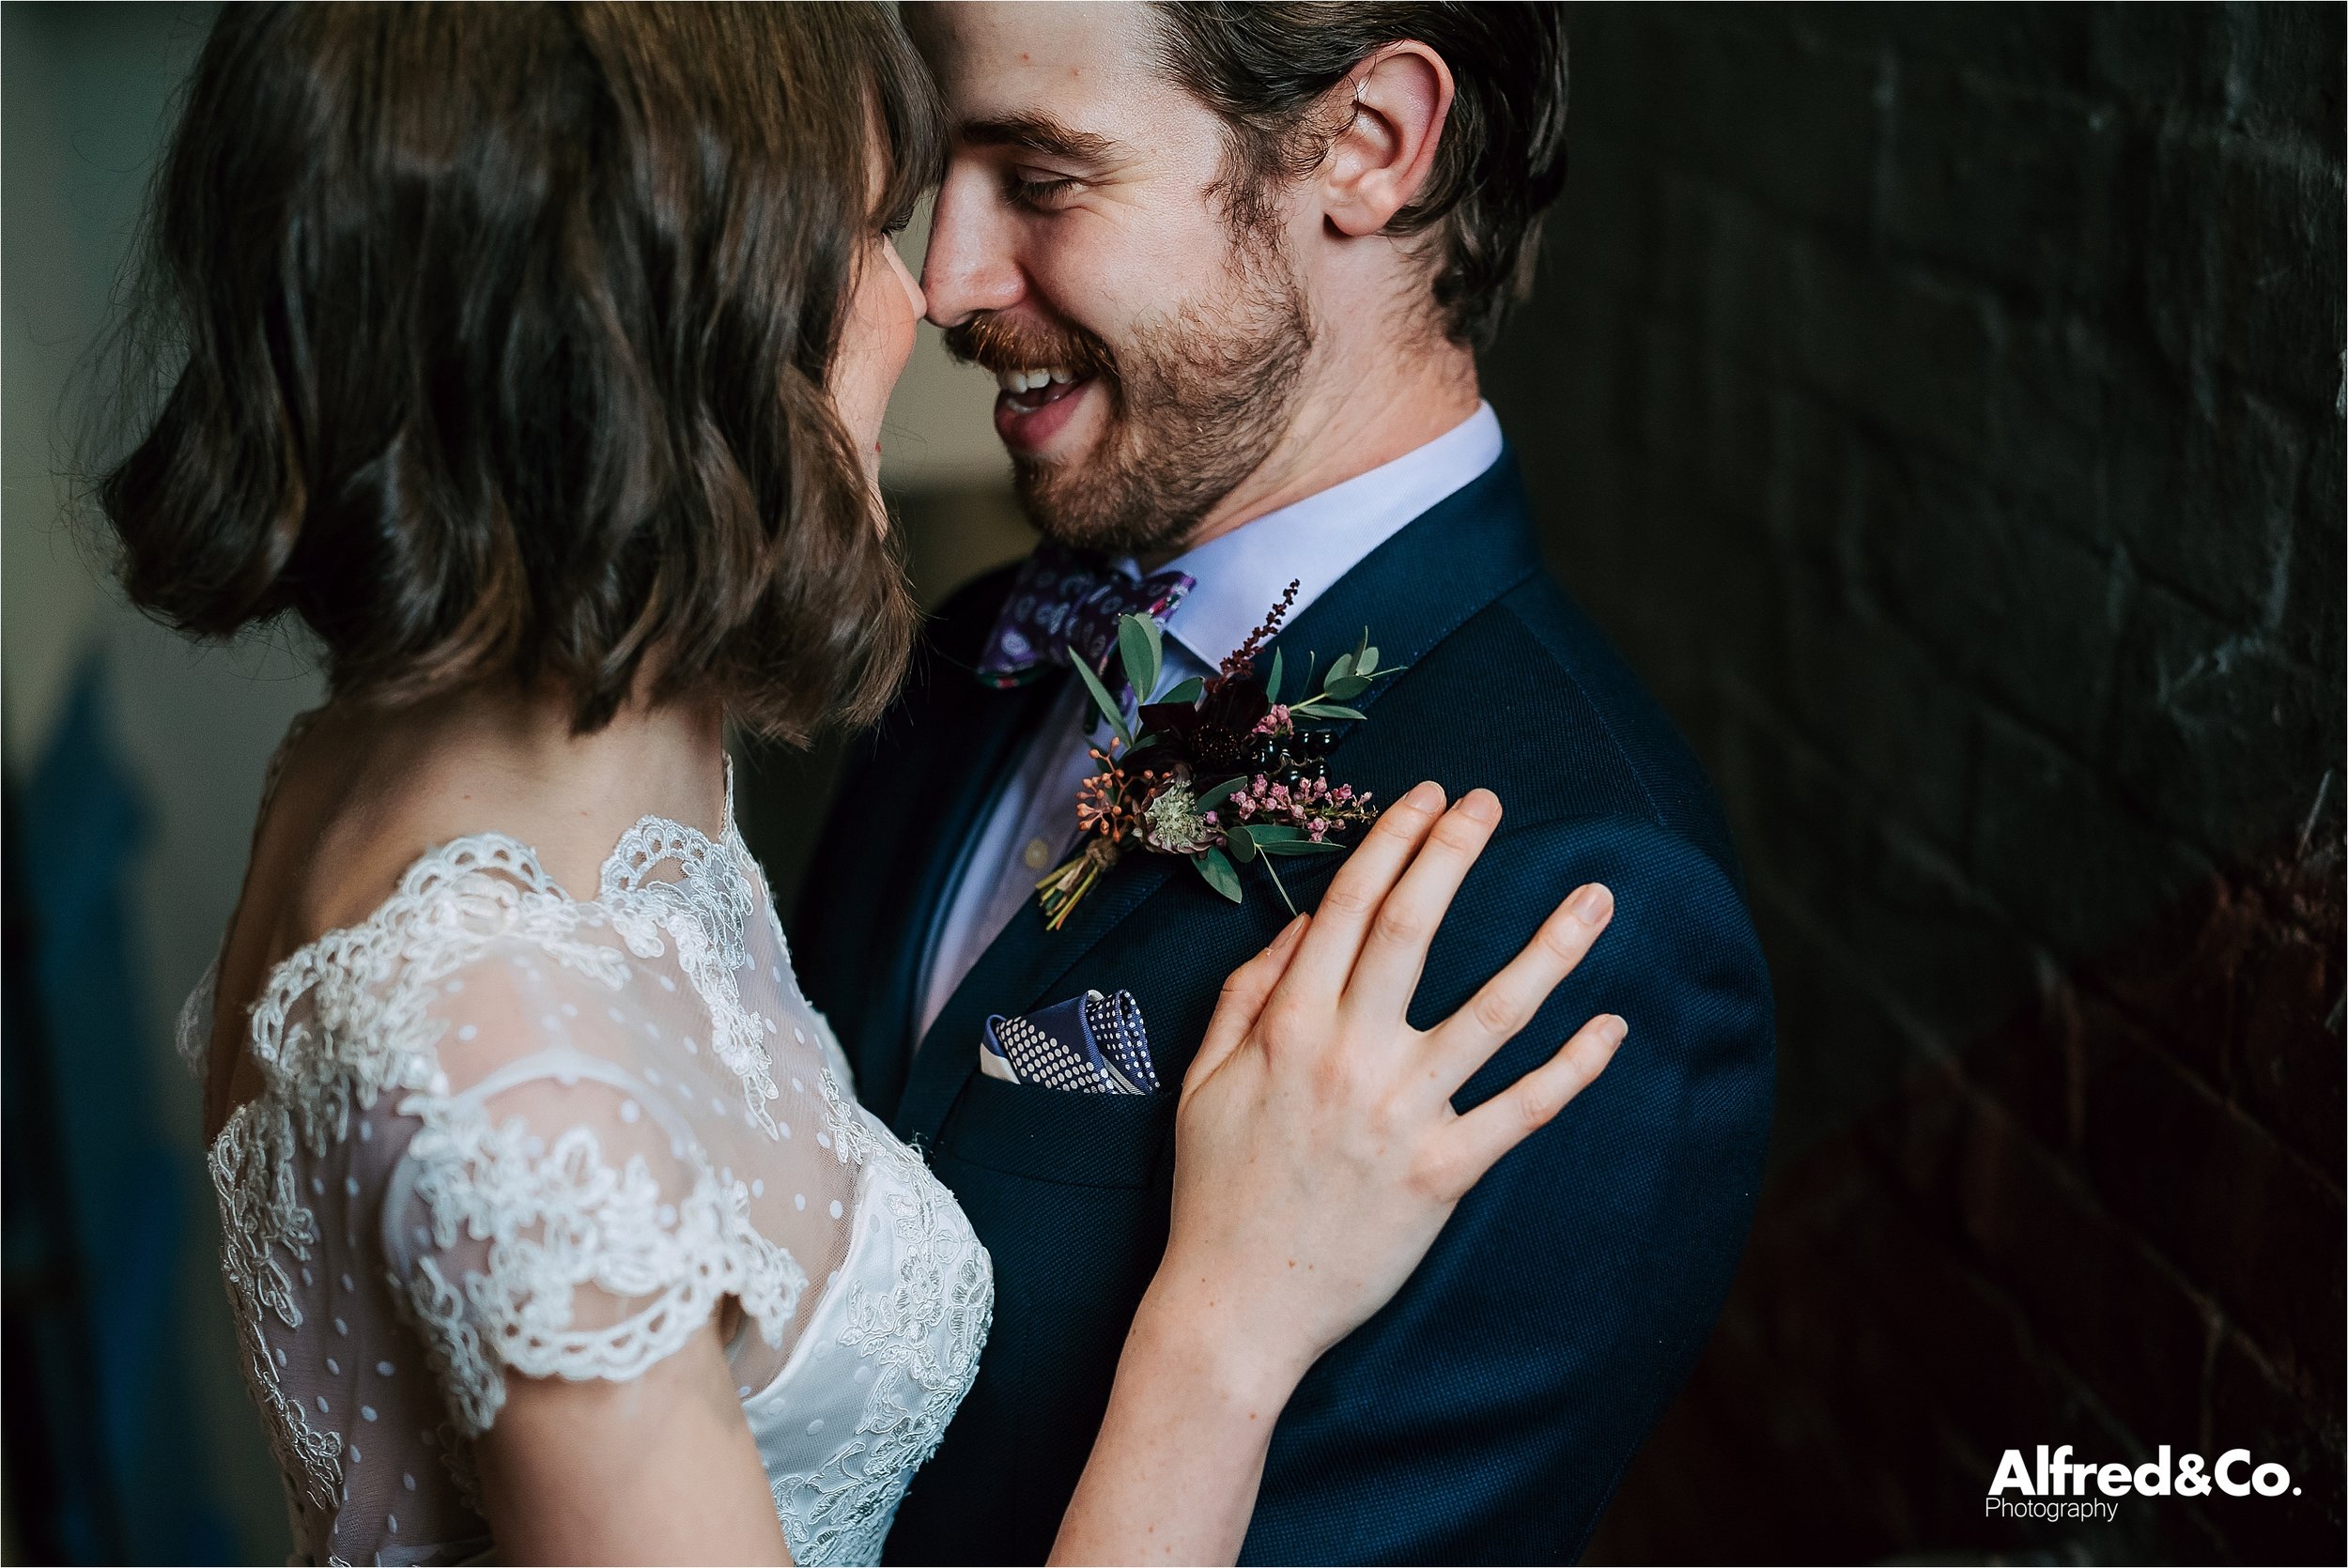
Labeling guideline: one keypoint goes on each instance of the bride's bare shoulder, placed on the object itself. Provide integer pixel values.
(359, 797)
(363, 792)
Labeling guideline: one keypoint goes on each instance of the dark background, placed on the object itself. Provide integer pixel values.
(1942, 407)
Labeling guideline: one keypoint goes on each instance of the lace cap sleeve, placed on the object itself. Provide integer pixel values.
(559, 1211)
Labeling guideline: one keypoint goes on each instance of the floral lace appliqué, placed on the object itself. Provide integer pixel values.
(922, 1335)
(559, 1221)
(705, 916)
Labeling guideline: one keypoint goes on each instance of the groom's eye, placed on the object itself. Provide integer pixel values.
(1037, 188)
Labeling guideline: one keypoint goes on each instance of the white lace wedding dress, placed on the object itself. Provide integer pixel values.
(508, 1129)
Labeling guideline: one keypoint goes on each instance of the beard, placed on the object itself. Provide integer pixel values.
(1197, 399)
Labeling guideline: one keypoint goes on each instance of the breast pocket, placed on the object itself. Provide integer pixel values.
(1055, 1136)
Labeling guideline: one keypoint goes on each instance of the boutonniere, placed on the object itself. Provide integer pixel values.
(1218, 770)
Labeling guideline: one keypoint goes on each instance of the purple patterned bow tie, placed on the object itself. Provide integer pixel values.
(1065, 600)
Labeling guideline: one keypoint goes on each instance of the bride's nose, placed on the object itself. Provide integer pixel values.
(905, 279)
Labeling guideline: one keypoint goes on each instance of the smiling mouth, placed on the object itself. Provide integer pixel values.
(1024, 392)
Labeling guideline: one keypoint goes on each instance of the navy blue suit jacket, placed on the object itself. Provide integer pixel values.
(1486, 1413)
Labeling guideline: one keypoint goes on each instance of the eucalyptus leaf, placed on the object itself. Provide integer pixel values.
(1345, 688)
(1302, 846)
(1220, 873)
(1318, 709)
(1102, 700)
(1365, 662)
(1242, 845)
(1272, 832)
(1271, 682)
(1220, 793)
(1137, 640)
(1338, 670)
(1189, 691)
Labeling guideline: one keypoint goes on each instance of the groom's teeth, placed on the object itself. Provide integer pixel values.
(1031, 380)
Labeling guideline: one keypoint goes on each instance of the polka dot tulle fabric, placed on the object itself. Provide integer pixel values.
(506, 1132)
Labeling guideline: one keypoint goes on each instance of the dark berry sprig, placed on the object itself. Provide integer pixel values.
(1241, 665)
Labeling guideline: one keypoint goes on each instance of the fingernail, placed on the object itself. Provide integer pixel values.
(1612, 1029)
(1422, 797)
(1480, 805)
(1592, 904)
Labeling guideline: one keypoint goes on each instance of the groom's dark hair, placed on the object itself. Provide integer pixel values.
(1502, 157)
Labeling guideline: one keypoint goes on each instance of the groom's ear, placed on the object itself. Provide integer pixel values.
(1378, 159)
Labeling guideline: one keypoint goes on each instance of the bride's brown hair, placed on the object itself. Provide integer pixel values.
(495, 344)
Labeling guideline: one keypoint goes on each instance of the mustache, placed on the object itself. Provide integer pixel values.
(998, 344)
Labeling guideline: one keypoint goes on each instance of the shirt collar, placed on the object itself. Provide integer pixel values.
(1315, 541)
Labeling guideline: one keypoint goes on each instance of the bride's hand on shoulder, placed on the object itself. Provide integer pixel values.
(1317, 1151)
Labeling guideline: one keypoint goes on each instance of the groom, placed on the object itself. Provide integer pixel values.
(1229, 265)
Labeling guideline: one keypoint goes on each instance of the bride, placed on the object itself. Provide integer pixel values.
(535, 357)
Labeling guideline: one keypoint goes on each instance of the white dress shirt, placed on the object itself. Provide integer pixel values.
(1240, 576)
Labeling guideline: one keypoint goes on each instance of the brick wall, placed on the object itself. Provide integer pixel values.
(1942, 407)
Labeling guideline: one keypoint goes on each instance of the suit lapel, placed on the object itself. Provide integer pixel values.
(966, 735)
(1410, 592)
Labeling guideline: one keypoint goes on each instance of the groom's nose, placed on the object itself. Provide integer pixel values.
(970, 265)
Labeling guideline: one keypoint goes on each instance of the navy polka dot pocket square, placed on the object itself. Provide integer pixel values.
(1090, 1044)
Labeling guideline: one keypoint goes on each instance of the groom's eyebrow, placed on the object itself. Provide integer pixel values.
(1041, 134)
